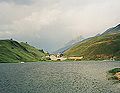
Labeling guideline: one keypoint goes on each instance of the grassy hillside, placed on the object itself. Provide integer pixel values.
(12, 51)
(102, 47)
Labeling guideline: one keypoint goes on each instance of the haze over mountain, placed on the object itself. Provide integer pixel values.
(69, 45)
(49, 24)
(102, 47)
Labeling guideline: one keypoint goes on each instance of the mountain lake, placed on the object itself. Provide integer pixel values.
(58, 77)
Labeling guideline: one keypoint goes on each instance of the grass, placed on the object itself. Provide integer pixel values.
(111, 74)
(114, 71)
(97, 48)
(12, 51)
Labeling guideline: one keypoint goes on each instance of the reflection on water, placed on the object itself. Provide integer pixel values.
(64, 77)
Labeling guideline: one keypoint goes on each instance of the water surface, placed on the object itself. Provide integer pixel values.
(57, 77)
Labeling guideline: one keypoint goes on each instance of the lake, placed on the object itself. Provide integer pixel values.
(57, 77)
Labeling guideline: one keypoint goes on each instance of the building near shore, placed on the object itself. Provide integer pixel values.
(75, 58)
(53, 57)
(57, 58)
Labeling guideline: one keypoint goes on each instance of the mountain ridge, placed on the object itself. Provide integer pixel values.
(69, 45)
(112, 30)
(103, 47)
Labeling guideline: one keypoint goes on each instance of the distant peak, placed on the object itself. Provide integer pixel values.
(118, 25)
(115, 29)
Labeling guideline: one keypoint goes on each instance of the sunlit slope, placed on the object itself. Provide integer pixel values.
(12, 51)
(99, 47)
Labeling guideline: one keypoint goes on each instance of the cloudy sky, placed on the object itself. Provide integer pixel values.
(49, 24)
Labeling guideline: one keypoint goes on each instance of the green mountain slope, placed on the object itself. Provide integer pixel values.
(102, 47)
(12, 51)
